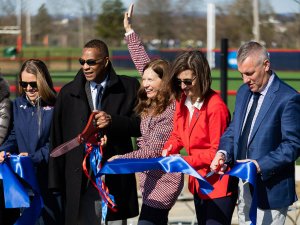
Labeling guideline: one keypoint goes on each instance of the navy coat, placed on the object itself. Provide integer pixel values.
(274, 142)
(27, 136)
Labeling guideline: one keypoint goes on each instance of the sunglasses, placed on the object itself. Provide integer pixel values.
(90, 62)
(187, 82)
(32, 84)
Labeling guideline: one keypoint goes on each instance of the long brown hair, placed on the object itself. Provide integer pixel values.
(157, 105)
(44, 81)
(196, 62)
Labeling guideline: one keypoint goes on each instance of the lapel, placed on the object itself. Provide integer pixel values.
(183, 116)
(243, 111)
(89, 95)
(195, 118)
(266, 104)
(184, 111)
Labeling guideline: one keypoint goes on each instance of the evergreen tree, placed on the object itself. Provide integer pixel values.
(109, 25)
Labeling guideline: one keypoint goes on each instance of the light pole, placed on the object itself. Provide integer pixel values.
(28, 24)
(211, 34)
(256, 31)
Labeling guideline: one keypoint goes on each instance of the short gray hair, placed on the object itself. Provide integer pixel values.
(252, 48)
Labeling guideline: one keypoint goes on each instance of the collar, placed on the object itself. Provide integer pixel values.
(77, 86)
(188, 102)
(38, 100)
(266, 88)
(93, 84)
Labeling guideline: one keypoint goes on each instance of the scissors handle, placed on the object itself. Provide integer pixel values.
(209, 174)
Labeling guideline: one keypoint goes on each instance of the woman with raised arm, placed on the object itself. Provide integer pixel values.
(156, 107)
(199, 121)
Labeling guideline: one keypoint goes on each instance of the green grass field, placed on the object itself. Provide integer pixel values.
(62, 77)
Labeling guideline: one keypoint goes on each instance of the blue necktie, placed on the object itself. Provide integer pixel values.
(99, 96)
(243, 140)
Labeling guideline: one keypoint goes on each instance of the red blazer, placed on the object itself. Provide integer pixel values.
(201, 140)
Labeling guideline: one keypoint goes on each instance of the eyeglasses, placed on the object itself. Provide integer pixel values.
(32, 84)
(90, 62)
(187, 82)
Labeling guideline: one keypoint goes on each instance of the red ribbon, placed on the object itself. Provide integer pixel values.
(102, 189)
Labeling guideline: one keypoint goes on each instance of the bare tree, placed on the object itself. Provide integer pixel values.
(88, 11)
(235, 22)
(8, 7)
(156, 15)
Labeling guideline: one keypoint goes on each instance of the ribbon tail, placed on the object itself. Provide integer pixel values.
(23, 167)
(15, 195)
(31, 214)
(247, 172)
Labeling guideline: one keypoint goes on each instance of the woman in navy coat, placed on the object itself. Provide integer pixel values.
(32, 115)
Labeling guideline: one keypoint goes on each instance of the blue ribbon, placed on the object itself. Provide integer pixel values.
(170, 164)
(15, 194)
(95, 160)
(247, 172)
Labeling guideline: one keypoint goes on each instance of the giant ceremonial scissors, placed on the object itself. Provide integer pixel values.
(90, 134)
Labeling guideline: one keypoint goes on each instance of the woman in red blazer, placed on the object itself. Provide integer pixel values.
(200, 119)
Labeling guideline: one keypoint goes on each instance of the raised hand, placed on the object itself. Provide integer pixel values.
(128, 19)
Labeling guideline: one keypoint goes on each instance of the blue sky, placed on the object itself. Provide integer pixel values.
(280, 6)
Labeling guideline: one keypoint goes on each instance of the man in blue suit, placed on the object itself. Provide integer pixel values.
(265, 130)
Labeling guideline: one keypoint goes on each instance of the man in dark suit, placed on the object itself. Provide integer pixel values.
(115, 107)
(265, 131)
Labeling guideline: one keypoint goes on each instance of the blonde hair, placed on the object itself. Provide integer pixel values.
(44, 81)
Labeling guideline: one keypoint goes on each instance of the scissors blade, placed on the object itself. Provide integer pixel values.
(65, 147)
(210, 174)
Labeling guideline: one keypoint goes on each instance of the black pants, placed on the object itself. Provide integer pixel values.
(154, 215)
(90, 207)
(215, 211)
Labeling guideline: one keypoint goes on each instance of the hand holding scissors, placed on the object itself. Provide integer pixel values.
(218, 165)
